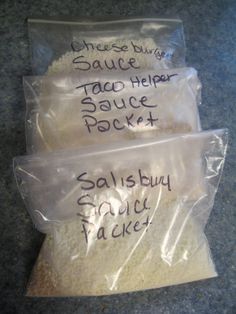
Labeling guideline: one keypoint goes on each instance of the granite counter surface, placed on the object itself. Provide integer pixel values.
(210, 30)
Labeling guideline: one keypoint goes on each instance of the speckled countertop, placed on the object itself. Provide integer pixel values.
(210, 29)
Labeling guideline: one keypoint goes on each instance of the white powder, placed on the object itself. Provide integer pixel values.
(119, 266)
(170, 248)
(143, 60)
(141, 38)
(62, 116)
(173, 249)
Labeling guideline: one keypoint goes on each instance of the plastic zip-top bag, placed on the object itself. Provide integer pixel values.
(112, 44)
(122, 217)
(70, 111)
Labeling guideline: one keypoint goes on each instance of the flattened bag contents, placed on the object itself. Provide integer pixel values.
(73, 111)
(95, 45)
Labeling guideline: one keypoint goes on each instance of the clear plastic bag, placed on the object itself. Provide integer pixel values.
(70, 111)
(123, 217)
(105, 44)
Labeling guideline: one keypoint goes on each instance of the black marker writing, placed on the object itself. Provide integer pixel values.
(99, 87)
(117, 231)
(78, 46)
(113, 180)
(148, 81)
(108, 64)
(129, 121)
(89, 105)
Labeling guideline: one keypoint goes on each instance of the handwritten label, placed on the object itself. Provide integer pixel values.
(131, 107)
(123, 63)
(139, 210)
